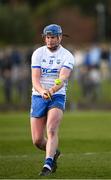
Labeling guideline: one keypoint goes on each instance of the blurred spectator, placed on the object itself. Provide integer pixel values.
(93, 57)
(20, 74)
(1, 62)
(110, 64)
(90, 77)
(6, 70)
(105, 61)
(16, 58)
(15, 74)
(28, 56)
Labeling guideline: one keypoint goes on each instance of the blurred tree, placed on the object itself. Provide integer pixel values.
(34, 3)
(3, 1)
(86, 6)
(16, 25)
(20, 18)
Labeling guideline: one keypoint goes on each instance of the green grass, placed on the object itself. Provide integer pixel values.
(85, 142)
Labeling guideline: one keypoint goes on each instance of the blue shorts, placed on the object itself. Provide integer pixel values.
(40, 106)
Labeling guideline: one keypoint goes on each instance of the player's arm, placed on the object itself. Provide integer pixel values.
(36, 74)
(59, 83)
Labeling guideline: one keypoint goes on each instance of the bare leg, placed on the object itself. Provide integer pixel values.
(53, 121)
(37, 130)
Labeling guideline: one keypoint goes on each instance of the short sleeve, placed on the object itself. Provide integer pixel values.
(35, 59)
(69, 61)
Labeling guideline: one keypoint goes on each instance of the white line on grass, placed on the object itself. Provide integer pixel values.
(13, 156)
(68, 154)
(85, 154)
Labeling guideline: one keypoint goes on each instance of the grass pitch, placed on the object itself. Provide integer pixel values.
(85, 143)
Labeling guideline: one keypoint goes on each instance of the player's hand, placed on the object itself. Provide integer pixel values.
(46, 94)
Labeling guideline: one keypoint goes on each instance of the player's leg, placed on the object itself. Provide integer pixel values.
(53, 121)
(37, 130)
(38, 121)
(54, 116)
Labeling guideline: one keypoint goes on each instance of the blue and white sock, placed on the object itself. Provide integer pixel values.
(48, 163)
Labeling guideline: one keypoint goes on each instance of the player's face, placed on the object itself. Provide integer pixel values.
(52, 41)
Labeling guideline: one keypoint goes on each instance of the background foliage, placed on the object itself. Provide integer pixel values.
(21, 19)
(16, 25)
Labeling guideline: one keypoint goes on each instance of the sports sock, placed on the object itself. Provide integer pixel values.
(48, 163)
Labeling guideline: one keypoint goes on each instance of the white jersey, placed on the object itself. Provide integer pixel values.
(50, 64)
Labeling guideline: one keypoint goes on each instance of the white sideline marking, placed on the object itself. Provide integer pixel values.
(68, 154)
(90, 153)
(85, 154)
(13, 156)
